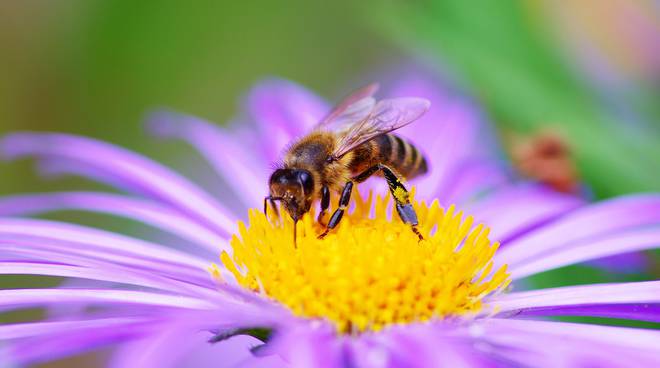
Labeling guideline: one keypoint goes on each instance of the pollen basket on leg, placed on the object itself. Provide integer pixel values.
(371, 271)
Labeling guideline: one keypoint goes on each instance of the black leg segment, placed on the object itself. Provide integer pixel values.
(272, 205)
(403, 206)
(339, 212)
(325, 203)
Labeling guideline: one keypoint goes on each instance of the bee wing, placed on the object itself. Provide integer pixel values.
(386, 116)
(355, 107)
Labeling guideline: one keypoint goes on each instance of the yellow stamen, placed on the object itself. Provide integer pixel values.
(372, 271)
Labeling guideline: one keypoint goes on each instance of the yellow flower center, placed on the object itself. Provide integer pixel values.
(371, 271)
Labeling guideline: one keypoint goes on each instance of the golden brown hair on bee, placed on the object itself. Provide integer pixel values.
(345, 148)
(312, 153)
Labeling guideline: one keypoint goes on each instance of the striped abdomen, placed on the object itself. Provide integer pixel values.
(393, 151)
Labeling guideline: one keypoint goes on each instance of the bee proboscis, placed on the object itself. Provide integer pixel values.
(352, 143)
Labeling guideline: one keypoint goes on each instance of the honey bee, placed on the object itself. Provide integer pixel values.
(352, 143)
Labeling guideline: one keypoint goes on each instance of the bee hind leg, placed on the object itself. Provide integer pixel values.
(339, 212)
(403, 206)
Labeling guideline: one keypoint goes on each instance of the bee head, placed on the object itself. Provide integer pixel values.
(295, 189)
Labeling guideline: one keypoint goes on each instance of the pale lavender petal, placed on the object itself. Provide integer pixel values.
(444, 103)
(145, 211)
(178, 346)
(235, 162)
(422, 345)
(30, 329)
(616, 244)
(56, 167)
(473, 178)
(281, 111)
(552, 344)
(453, 144)
(591, 222)
(47, 240)
(515, 210)
(70, 342)
(271, 361)
(633, 311)
(633, 300)
(88, 256)
(126, 166)
(88, 238)
(112, 273)
(309, 344)
(316, 344)
(13, 298)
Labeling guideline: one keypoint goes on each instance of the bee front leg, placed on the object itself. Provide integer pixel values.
(403, 206)
(272, 205)
(339, 212)
(325, 203)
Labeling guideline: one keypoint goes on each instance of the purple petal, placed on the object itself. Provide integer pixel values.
(472, 178)
(56, 167)
(38, 297)
(168, 349)
(231, 158)
(49, 239)
(423, 345)
(22, 330)
(70, 342)
(515, 210)
(309, 345)
(157, 342)
(624, 263)
(88, 238)
(552, 344)
(586, 224)
(281, 111)
(617, 244)
(634, 300)
(86, 256)
(447, 109)
(632, 311)
(114, 274)
(125, 166)
(452, 145)
(145, 211)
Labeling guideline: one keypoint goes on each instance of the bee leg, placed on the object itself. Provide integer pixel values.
(272, 205)
(266, 199)
(276, 210)
(403, 206)
(339, 212)
(325, 203)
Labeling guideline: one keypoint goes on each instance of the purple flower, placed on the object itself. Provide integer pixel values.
(379, 299)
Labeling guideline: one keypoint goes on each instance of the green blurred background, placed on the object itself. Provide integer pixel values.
(589, 68)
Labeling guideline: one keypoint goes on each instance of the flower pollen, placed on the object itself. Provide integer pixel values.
(371, 271)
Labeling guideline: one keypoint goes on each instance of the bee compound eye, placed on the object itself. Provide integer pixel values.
(305, 178)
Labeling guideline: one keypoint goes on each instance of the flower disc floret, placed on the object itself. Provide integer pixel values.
(372, 271)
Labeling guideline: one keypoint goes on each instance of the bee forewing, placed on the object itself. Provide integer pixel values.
(395, 113)
(386, 116)
(353, 108)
